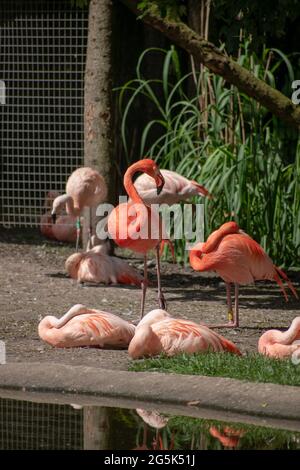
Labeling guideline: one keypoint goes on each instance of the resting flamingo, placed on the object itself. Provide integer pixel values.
(85, 188)
(159, 333)
(176, 188)
(83, 326)
(237, 259)
(279, 344)
(98, 267)
(135, 226)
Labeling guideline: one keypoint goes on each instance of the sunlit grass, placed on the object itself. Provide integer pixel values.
(252, 367)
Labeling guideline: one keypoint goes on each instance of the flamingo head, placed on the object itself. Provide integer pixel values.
(58, 205)
(152, 169)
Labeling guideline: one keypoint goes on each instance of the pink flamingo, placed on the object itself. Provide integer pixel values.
(228, 437)
(96, 266)
(85, 188)
(275, 343)
(159, 333)
(135, 226)
(64, 229)
(176, 188)
(82, 326)
(237, 259)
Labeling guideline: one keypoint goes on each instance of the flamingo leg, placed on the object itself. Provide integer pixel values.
(78, 232)
(236, 306)
(161, 300)
(229, 301)
(144, 284)
(233, 316)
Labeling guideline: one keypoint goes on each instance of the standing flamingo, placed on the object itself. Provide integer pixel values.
(135, 226)
(82, 326)
(237, 259)
(159, 333)
(176, 188)
(96, 266)
(275, 343)
(85, 188)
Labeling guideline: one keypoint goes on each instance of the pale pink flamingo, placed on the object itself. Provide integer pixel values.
(64, 229)
(85, 188)
(281, 344)
(98, 267)
(159, 333)
(83, 326)
(135, 226)
(176, 188)
(237, 259)
(153, 418)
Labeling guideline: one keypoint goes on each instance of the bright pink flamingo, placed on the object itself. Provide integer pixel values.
(85, 188)
(82, 326)
(159, 333)
(176, 188)
(94, 266)
(275, 343)
(237, 259)
(135, 226)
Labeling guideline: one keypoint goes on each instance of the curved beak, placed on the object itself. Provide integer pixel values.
(160, 182)
(53, 217)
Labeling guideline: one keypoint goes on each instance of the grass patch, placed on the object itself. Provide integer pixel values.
(252, 367)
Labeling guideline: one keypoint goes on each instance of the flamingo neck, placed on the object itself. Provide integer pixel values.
(128, 183)
(67, 201)
(291, 334)
(215, 238)
(144, 343)
(196, 260)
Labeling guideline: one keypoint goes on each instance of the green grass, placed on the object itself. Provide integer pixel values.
(252, 367)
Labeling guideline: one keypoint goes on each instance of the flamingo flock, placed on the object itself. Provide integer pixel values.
(135, 225)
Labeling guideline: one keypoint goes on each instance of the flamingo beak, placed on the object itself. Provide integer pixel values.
(160, 182)
(53, 217)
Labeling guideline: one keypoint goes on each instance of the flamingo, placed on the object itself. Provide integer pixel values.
(228, 436)
(159, 333)
(275, 343)
(83, 326)
(85, 188)
(96, 266)
(176, 188)
(135, 226)
(237, 259)
(64, 229)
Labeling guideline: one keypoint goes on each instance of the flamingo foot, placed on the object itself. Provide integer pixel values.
(162, 301)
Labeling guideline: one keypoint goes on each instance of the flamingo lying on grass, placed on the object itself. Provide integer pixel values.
(83, 326)
(64, 229)
(176, 188)
(135, 226)
(279, 344)
(237, 259)
(97, 267)
(159, 333)
(85, 188)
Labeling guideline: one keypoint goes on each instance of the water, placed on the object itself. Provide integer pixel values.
(28, 425)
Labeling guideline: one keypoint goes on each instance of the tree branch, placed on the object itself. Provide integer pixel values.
(208, 54)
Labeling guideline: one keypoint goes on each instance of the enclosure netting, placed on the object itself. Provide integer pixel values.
(30, 426)
(42, 60)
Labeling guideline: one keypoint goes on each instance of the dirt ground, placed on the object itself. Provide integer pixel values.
(33, 284)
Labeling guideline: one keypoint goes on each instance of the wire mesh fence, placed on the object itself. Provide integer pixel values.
(30, 426)
(42, 61)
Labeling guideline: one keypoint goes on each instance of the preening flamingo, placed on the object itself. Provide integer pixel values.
(96, 266)
(275, 343)
(83, 326)
(176, 188)
(85, 188)
(159, 333)
(64, 230)
(135, 226)
(237, 259)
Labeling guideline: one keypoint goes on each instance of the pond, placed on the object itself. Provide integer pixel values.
(29, 425)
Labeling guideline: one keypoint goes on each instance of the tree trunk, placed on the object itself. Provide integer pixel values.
(98, 118)
(208, 54)
(95, 428)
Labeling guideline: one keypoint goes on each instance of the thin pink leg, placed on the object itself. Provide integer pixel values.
(232, 316)
(144, 284)
(161, 300)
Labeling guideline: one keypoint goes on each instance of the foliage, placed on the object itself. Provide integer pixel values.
(252, 367)
(172, 9)
(212, 133)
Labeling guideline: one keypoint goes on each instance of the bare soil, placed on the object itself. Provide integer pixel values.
(33, 284)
